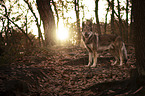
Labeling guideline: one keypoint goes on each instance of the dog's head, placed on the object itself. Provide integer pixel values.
(87, 37)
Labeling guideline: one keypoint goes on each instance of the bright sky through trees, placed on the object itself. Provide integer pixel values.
(89, 13)
(62, 32)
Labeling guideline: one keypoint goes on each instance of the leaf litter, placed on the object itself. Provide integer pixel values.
(61, 71)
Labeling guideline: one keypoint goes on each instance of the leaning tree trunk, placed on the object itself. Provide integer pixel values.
(139, 35)
(46, 15)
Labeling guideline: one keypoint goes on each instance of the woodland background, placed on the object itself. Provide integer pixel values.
(39, 66)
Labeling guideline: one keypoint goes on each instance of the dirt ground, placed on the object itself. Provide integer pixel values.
(61, 71)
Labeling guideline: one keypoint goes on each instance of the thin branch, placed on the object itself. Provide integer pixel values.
(113, 9)
(115, 13)
(36, 20)
(5, 15)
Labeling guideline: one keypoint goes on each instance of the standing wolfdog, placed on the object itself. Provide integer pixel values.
(114, 44)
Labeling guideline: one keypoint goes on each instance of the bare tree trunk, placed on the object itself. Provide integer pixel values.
(112, 17)
(47, 17)
(131, 23)
(62, 5)
(139, 32)
(106, 19)
(26, 24)
(119, 17)
(78, 19)
(56, 11)
(97, 17)
(83, 18)
(127, 4)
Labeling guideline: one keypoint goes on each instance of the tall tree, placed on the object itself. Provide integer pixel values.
(127, 5)
(139, 32)
(78, 19)
(112, 17)
(118, 7)
(97, 17)
(131, 23)
(46, 15)
(106, 19)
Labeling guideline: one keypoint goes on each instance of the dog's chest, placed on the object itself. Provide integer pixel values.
(89, 47)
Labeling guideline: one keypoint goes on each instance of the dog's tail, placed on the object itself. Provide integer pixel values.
(124, 53)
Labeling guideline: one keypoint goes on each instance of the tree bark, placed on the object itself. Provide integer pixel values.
(97, 17)
(105, 27)
(46, 15)
(131, 23)
(112, 17)
(56, 12)
(120, 22)
(139, 32)
(127, 4)
(78, 20)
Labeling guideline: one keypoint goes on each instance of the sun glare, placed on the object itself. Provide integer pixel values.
(62, 33)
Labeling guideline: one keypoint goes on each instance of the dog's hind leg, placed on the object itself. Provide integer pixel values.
(116, 60)
(121, 57)
(124, 51)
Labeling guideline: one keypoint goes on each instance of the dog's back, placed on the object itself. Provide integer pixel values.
(106, 39)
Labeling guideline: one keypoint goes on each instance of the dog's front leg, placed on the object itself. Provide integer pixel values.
(90, 59)
(121, 58)
(95, 59)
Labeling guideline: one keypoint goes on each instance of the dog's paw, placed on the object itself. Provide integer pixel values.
(87, 66)
(113, 63)
(120, 65)
(93, 66)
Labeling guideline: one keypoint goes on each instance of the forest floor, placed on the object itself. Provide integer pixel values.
(61, 71)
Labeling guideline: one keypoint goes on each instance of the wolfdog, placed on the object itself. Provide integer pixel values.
(113, 43)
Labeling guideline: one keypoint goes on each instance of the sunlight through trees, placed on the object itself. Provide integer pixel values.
(71, 12)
